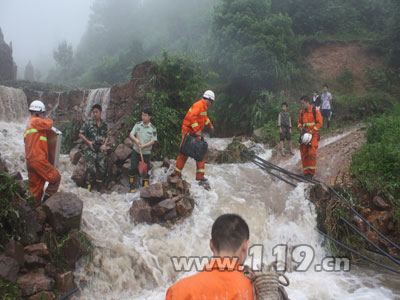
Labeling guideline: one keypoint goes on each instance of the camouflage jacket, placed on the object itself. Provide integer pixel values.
(93, 133)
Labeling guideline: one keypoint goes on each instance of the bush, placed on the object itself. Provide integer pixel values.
(377, 164)
(9, 291)
(70, 133)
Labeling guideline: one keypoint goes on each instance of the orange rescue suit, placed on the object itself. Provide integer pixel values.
(37, 159)
(195, 120)
(311, 125)
(214, 282)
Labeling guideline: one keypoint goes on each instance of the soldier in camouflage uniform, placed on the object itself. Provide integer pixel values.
(94, 134)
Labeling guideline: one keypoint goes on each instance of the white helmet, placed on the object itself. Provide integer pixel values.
(37, 106)
(209, 95)
(306, 138)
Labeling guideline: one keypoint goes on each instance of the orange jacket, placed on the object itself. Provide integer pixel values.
(196, 118)
(307, 120)
(35, 139)
(213, 283)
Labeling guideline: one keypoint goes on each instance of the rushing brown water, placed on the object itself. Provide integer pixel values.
(133, 261)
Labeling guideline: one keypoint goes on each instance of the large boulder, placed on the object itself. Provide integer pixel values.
(9, 268)
(64, 212)
(65, 282)
(153, 192)
(16, 251)
(123, 152)
(37, 249)
(35, 282)
(163, 207)
(129, 143)
(74, 248)
(140, 212)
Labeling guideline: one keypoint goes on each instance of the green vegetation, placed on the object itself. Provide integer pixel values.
(176, 84)
(9, 291)
(377, 164)
(12, 225)
(70, 132)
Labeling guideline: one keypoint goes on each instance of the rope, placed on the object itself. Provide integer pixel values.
(266, 283)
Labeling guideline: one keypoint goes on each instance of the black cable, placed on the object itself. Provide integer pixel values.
(69, 294)
(381, 251)
(338, 195)
(358, 253)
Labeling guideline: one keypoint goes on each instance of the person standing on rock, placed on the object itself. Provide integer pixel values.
(39, 168)
(285, 128)
(326, 107)
(309, 123)
(223, 276)
(194, 122)
(94, 134)
(144, 135)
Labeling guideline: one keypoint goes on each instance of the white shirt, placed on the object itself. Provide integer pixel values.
(326, 100)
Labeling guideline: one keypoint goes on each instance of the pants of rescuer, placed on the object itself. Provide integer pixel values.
(309, 156)
(38, 173)
(181, 160)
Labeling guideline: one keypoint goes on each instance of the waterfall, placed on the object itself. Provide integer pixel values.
(13, 104)
(98, 96)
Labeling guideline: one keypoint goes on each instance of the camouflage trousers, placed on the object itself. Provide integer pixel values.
(95, 166)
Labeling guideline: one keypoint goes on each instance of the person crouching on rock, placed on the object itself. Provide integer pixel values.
(94, 134)
(144, 135)
(40, 169)
(223, 276)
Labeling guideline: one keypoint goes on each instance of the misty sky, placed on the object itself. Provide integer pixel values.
(35, 28)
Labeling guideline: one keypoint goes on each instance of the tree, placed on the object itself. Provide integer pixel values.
(29, 72)
(63, 55)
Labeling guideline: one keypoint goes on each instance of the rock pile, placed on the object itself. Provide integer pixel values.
(43, 255)
(164, 203)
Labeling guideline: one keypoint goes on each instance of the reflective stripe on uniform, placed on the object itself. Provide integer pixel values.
(204, 113)
(43, 138)
(190, 109)
(178, 170)
(33, 130)
(309, 168)
(309, 124)
(316, 128)
(299, 125)
(98, 180)
(194, 125)
(208, 121)
(201, 171)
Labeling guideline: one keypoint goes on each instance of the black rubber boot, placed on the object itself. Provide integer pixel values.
(132, 184)
(99, 185)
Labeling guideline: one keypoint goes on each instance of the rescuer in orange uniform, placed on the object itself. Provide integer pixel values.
(310, 122)
(37, 154)
(222, 278)
(194, 122)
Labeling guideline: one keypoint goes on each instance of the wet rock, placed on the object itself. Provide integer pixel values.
(41, 215)
(152, 192)
(122, 152)
(171, 215)
(9, 268)
(380, 220)
(129, 143)
(163, 207)
(51, 270)
(75, 155)
(64, 212)
(16, 251)
(183, 207)
(380, 203)
(79, 172)
(65, 282)
(166, 163)
(319, 193)
(37, 249)
(32, 225)
(46, 295)
(16, 176)
(34, 261)
(179, 185)
(35, 282)
(3, 166)
(120, 189)
(73, 248)
(140, 212)
(126, 167)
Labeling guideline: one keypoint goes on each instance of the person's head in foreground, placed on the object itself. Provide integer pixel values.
(230, 237)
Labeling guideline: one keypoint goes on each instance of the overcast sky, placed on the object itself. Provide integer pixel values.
(35, 27)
